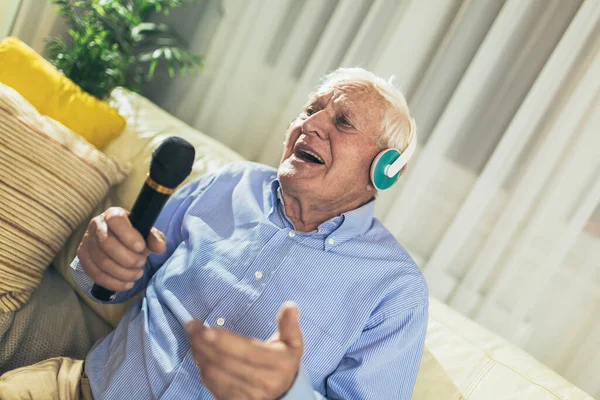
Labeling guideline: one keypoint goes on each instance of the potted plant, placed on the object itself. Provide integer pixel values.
(113, 43)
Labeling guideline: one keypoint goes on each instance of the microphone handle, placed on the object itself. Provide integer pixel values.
(143, 215)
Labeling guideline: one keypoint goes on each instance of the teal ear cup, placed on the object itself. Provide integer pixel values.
(378, 177)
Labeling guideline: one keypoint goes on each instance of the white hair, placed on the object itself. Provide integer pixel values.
(397, 126)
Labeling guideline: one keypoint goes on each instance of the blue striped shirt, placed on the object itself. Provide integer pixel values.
(233, 257)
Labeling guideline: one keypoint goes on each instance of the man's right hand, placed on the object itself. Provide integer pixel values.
(113, 253)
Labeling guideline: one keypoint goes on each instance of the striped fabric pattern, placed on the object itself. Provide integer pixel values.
(233, 257)
(50, 180)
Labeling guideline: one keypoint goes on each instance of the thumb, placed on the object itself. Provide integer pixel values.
(289, 328)
(156, 241)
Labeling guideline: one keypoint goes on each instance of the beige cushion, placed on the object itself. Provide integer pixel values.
(147, 126)
(433, 382)
(51, 179)
(484, 366)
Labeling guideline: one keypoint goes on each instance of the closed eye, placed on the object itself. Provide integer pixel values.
(344, 122)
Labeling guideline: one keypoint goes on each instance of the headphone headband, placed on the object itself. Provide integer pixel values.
(392, 169)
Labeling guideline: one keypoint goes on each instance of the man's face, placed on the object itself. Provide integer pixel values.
(329, 147)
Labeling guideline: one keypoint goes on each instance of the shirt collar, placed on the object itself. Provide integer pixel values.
(334, 231)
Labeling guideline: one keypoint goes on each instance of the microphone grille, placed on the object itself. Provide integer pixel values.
(172, 162)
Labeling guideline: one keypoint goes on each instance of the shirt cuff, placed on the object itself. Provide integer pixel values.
(82, 279)
(85, 283)
(301, 389)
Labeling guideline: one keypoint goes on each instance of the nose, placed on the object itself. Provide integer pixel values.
(316, 124)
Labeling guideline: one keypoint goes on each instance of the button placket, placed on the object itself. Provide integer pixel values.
(264, 265)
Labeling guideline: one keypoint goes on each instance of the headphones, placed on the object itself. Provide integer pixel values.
(386, 167)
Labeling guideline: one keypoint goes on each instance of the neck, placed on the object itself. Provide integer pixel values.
(307, 215)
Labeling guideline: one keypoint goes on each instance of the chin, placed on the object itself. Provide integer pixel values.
(291, 178)
(288, 175)
(288, 170)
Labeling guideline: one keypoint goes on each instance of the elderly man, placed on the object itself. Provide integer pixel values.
(269, 284)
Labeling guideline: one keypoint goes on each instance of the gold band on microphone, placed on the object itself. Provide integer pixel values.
(159, 188)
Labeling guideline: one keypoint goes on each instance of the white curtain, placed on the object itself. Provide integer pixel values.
(501, 205)
(8, 11)
(32, 21)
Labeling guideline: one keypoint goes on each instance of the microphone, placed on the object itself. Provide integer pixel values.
(171, 163)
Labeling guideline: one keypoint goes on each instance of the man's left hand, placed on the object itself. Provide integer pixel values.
(238, 367)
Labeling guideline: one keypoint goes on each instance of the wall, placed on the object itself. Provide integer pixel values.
(8, 10)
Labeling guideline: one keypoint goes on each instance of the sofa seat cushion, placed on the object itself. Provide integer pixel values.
(433, 381)
(53, 323)
(484, 366)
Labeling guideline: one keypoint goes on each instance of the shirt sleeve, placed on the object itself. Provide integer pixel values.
(169, 222)
(382, 364)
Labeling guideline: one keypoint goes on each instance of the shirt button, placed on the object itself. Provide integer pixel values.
(292, 233)
(331, 241)
(258, 274)
(220, 321)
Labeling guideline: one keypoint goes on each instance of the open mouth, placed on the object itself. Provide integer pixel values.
(309, 156)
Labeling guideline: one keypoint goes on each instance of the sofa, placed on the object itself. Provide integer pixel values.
(462, 360)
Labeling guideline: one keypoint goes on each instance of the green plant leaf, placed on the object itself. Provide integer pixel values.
(110, 42)
(156, 54)
(152, 68)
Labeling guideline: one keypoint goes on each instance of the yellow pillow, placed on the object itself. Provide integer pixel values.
(55, 95)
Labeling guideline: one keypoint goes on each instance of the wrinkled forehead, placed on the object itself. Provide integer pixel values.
(348, 92)
(359, 100)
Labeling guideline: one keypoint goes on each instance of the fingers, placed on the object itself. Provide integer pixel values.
(214, 379)
(213, 341)
(109, 266)
(111, 253)
(207, 354)
(289, 327)
(225, 386)
(119, 225)
(207, 357)
(232, 365)
(97, 275)
(117, 222)
(156, 242)
(111, 246)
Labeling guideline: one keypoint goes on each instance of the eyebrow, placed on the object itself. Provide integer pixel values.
(317, 100)
(347, 112)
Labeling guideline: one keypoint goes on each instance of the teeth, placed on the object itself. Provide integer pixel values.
(314, 155)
